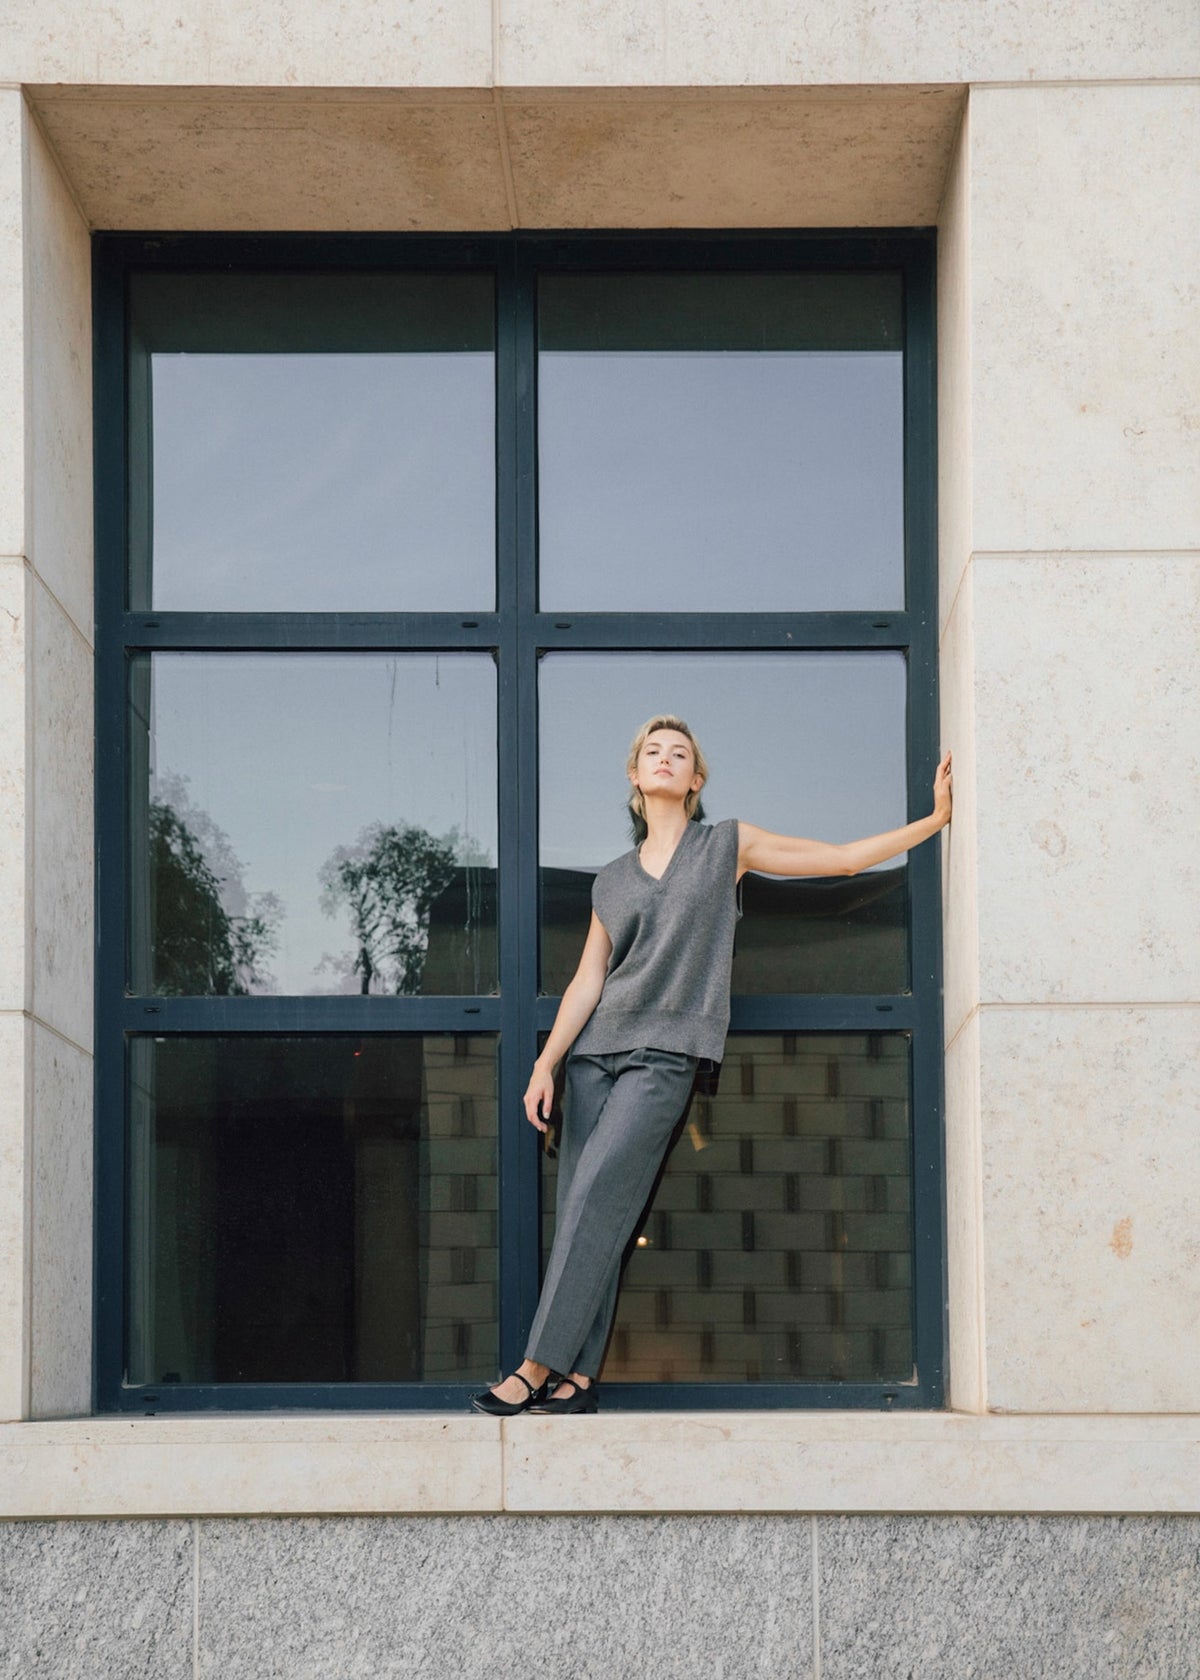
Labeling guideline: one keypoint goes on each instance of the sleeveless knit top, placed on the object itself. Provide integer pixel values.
(667, 983)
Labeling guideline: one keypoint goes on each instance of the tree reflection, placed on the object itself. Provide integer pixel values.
(390, 881)
(210, 935)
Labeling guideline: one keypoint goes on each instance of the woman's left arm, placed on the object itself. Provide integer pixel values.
(784, 854)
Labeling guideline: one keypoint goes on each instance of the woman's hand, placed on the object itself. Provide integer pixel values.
(943, 790)
(539, 1098)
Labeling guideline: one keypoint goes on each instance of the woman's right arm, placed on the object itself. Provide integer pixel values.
(580, 998)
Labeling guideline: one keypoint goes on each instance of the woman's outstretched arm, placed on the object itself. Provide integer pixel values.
(784, 854)
(580, 998)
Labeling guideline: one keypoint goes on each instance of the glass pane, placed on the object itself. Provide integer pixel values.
(721, 442)
(317, 1209)
(312, 442)
(313, 823)
(798, 743)
(778, 1242)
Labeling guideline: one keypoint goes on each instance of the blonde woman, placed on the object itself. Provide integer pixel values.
(648, 1002)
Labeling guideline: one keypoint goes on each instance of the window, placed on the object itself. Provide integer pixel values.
(399, 540)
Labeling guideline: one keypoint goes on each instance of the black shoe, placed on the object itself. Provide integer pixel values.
(583, 1399)
(495, 1407)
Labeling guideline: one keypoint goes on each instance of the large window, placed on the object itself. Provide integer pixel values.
(399, 540)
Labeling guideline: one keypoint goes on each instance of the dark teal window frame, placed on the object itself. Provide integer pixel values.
(518, 634)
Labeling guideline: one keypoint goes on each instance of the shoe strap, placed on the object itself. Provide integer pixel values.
(526, 1381)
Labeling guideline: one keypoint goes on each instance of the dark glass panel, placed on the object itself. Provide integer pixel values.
(777, 1246)
(720, 442)
(313, 823)
(312, 1209)
(312, 442)
(806, 743)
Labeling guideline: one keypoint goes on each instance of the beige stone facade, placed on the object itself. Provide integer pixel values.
(1054, 148)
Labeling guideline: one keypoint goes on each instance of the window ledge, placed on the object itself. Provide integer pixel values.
(633, 1462)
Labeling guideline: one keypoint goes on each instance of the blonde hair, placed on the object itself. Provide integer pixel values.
(637, 804)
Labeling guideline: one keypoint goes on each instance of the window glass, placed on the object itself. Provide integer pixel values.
(720, 442)
(312, 1209)
(312, 442)
(313, 823)
(777, 1246)
(809, 743)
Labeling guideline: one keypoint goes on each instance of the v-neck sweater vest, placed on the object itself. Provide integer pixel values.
(668, 978)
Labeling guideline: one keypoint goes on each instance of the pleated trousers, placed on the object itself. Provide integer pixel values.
(619, 1111)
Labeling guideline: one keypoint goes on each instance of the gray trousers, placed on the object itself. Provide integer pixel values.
(619, 1111)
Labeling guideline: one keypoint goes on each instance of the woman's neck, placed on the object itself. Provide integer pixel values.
(664, 830)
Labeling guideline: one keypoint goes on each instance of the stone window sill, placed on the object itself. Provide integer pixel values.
(305, 1463)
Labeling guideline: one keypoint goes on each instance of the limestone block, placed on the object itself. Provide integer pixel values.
(767, 158)
(12, 326)
(775, 42)
(63, 839)
(454, 160)
(14, 819)
(967, 1386)
(1087, 690)
(61, 1294)
(954, 372)
(960, 840)
(288, 161)
(60, 361)
(262, 43)
(194, 1465)
(15, 1075)
(850, 1461)
(1085, 222)
(97, 1597)
(1042, 1597)
(481, 1596)
(1090, 1157)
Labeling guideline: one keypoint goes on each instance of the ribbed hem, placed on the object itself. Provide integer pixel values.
(659, 1029)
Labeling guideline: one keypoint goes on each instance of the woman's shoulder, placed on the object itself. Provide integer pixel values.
(617, 865)
(724, 830)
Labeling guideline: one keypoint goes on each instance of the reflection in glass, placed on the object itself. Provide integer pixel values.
(806, 743)
(312, 442)
(778, 1243)
(720, 442)
(312, 1209)
(313, 823)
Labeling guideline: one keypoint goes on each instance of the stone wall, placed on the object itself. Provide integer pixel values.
(615, 1598)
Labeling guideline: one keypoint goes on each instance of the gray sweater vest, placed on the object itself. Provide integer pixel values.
(667, 984)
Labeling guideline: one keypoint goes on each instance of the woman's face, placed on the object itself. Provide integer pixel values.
(667, 763)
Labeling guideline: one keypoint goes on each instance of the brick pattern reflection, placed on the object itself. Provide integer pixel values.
(458, 1201)
(778, 1244)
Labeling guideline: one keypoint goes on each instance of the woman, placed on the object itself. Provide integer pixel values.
(649, 1000)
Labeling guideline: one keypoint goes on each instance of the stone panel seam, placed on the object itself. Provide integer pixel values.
(1069, 82)
(65, 611)
(964, 1023)
(1084, 1003)
(1165, 553)
(978, 1238)
(35, 120)
(510, 185)
(195, 1598)
(48, 1026)
(958, 588)
(816, 1600)
(30, 787)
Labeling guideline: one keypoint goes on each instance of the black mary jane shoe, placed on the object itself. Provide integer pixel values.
(495, 1407)
(583, 1399)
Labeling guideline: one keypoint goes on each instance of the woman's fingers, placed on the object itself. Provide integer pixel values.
(539, 1100)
